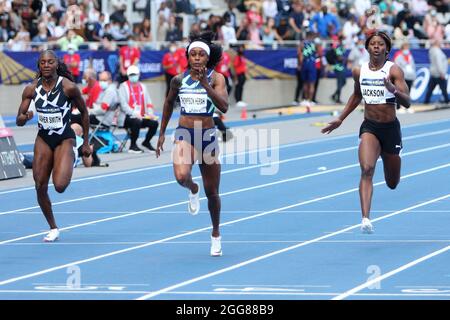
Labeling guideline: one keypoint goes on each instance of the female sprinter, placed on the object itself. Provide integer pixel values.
(381, 84)
(198, 91)
(52, 94)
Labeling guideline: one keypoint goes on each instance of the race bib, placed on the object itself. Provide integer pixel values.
(50, 120)
(193, 103)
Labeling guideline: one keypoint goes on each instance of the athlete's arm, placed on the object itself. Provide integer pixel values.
(73, 92)
(352, 103)
(397, 85)
(175, 84)
(24, 115)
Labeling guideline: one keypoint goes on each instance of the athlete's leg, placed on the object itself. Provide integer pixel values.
(211, 180)
(183, 159)
(42, 168)
(64, 158)
(392, 164)
(369, 151)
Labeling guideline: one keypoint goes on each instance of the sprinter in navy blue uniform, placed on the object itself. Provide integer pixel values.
(382, 85)
(197, 92)
(52, 94)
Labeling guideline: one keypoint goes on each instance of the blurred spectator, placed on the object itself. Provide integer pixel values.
(128, 55)
(358, 55)
(339, 69)
(361, 6)
(321, 22)
(70, 38)
(174, 32)
(296, 18)
(42, 35)
(307, 55)
(230, 12)
(73, 61)
(172, 64)
(164, 10)
(269, 9)
(144, 31)
(350, 31)
(433, 28)
(283, 29)
(320, 64)
(419, 8)
(5, 31)
(438, 71)
(240, 71)
(269, 33)
(21, 39)
(119, 14)
(93, 160)
(223, 67)
(107, 100)
(91, 90)
(242, 32)
(253, 16)
(137, 110)
(163, 26)
(405, 60)
(227, 30)
(284, 8)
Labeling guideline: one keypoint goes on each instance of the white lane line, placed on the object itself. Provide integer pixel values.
(113, 253)
(227, 193)
(273, 253)
(209, 293)
(392, 241)
(390, 273)
(284, 146)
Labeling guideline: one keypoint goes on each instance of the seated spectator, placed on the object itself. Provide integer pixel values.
(296, 18)
(21, 40)
(227, 30)
(269, 33)
(269, 9)
(174, 32)
(93, 160)
(144, 31)
(107, 101)
(321, 21)
(91, 91)
(136, 110)
(283, 29)
(70, 38)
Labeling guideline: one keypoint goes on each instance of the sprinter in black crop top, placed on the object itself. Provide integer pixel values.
(52, 95)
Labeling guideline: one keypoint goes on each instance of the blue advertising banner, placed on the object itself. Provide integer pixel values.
(20, 67)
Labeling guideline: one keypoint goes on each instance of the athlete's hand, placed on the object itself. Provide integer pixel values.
(29, 115)
(159, 146)
(86, 150)
(24, 117)
(389, 85)
(332, 126)
(201, 76)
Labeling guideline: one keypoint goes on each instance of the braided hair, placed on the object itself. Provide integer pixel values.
(215, 50)
(61, 70)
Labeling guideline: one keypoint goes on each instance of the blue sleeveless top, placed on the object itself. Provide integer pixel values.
(193, 98)
(309, 51)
